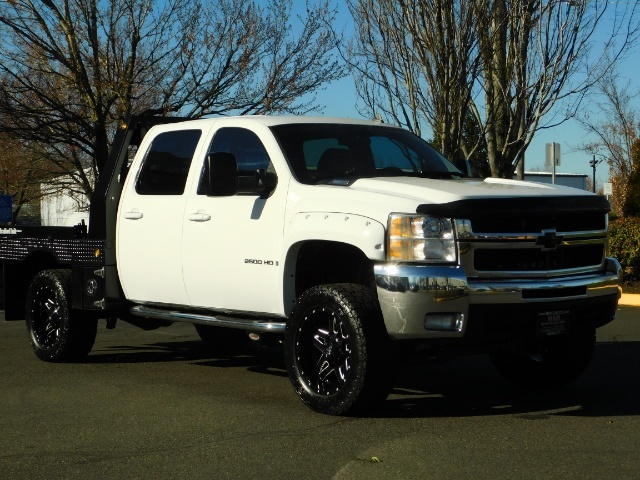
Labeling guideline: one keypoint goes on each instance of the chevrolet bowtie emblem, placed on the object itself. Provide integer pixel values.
(549, 240)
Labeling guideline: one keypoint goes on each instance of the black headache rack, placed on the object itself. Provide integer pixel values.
(104, 211)
(106, 195)
(89, 252)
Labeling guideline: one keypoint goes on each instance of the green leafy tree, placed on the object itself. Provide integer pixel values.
(632, 200)
(624, 245)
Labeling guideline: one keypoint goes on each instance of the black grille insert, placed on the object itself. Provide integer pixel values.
(536, 259)
(565, 222)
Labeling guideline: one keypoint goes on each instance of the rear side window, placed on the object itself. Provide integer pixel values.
(166, 166)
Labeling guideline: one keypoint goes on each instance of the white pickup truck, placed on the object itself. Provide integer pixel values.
(351, 241)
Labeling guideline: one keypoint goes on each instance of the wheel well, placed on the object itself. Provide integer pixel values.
(18, 276)
(323, 262)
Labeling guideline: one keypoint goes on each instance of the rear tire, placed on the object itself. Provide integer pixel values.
(337, 350)
(547, 362)
(55, 332)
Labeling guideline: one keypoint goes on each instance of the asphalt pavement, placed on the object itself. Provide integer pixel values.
(160, 405)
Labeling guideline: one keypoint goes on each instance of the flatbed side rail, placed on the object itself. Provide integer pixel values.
(64, 251)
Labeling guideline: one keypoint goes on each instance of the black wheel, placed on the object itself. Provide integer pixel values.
(55, 333)
(547, 362)
(337, 349)
(222, 339)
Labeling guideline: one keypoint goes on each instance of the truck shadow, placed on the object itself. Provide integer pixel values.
(464, 386)
(471, 387)
(253, 356)
(172, 351)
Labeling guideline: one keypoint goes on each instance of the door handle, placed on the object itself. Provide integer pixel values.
(199, 217)
(133, 215)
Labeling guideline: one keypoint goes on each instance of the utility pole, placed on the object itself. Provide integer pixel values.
(594, 163)
(553, 158)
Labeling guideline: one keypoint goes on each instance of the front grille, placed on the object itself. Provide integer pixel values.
(535, 245)
(536, 259)
(533, 237)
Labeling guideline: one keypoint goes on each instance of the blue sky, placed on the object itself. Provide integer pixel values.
(339, 99)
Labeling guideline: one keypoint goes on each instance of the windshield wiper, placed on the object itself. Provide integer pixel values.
(438, 174)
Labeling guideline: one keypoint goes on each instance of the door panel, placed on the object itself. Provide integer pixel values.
(150, 220)
(149, 263)
(232, 245)
(233, 260)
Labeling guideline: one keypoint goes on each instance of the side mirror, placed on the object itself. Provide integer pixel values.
(267, 181)
(463, 165)
(221, 175)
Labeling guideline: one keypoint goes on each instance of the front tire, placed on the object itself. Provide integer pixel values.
(337, 349)
(55, 332)
(547, 362)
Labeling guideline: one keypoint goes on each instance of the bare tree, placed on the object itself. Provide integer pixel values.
(415, 63)
(71, 69)
(614, 122)
(20, 174)
(523, 59)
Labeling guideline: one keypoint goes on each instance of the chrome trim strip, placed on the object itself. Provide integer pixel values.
(539, 275)
(530, 236)
(202, 319)
(464, 230)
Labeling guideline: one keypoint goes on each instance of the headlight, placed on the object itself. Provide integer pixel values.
(421, 238)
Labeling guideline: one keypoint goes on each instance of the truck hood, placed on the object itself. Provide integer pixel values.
(443, 191)
(376, 197)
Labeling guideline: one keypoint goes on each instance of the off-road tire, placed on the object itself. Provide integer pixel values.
(337, 350)
(56, 333)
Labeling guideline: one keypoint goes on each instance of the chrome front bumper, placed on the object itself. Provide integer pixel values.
(409, 294)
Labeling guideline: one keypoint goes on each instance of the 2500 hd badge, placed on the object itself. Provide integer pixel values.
(254, 261)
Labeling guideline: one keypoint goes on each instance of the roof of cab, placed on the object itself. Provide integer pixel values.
(269, 120)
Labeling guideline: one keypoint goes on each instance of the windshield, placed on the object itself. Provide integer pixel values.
(321, 153)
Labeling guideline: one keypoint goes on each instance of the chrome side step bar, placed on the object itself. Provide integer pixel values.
(202, 319)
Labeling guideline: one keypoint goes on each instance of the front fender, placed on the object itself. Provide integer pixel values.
(363, 233)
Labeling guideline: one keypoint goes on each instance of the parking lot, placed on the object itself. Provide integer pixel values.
(160, 405)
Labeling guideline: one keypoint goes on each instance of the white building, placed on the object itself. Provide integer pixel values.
(575, 180)
(58, 209)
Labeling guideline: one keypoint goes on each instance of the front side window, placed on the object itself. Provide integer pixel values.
(245, 145)
(251, 156)
(166, 165)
